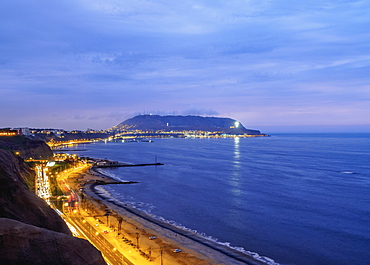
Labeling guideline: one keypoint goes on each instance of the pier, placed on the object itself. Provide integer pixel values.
(107, 163)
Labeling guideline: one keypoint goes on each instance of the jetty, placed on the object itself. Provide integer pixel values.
(107, 163)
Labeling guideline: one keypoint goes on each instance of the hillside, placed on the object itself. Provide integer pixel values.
(184, 123)
(25, 147)
(30, 231)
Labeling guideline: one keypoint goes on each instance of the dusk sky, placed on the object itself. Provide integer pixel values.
(276, 65)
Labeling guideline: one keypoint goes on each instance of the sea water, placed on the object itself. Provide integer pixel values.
(295, 198)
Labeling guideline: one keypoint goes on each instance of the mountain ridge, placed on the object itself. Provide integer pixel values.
(184, 123)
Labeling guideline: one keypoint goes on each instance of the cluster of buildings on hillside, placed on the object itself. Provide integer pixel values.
(60, 135)
(34, 132)
(145, 126)
(8, 132)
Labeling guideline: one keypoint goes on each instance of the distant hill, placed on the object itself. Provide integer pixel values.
(181, 123)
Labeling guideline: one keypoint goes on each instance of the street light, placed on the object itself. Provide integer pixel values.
(137, 240)
(107, 215)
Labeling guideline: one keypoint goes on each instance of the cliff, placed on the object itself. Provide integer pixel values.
(184, 123)
(18, 202)
(30, 231)
(21, 243)
(26, 148)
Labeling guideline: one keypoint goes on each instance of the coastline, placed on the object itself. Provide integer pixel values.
(281, 230)
(137, 226)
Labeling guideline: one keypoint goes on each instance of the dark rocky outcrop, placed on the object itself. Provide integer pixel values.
(21, 243)
(182, 123)
(30, 231)
(25, 147)
(18, 202)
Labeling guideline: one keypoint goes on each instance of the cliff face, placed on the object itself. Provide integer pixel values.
(26, 148)
(26, 244)
(179, 123)
(18, 202)
(30, 231)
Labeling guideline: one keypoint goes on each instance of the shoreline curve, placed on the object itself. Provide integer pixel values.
(149, 222)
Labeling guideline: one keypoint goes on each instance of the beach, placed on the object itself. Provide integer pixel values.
(135, 232)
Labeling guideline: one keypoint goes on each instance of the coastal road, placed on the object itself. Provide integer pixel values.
(83, 226)
(110, 253)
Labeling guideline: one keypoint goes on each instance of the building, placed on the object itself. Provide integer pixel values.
(23, 131)
(8, 132)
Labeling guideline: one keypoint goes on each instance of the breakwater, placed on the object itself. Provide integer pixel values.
(127, 165)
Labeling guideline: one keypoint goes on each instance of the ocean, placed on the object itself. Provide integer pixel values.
(299, 199)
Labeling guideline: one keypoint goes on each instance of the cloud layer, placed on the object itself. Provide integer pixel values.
(89, 63)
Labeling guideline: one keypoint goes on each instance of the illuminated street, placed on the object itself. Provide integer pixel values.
(42, 181)
(99, 234)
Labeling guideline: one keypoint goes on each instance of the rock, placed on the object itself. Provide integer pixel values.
(26, 148)
(21, 243)
(30, 231)
(18, 202)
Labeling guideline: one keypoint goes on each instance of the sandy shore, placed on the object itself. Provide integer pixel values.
(135, 228)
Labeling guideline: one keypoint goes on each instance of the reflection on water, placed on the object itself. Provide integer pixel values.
(236, 152)
(283, 197)
(235, 176)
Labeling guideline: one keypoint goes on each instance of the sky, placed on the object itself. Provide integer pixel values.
(273, 65)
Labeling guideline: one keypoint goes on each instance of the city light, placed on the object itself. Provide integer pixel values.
(50, 164)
